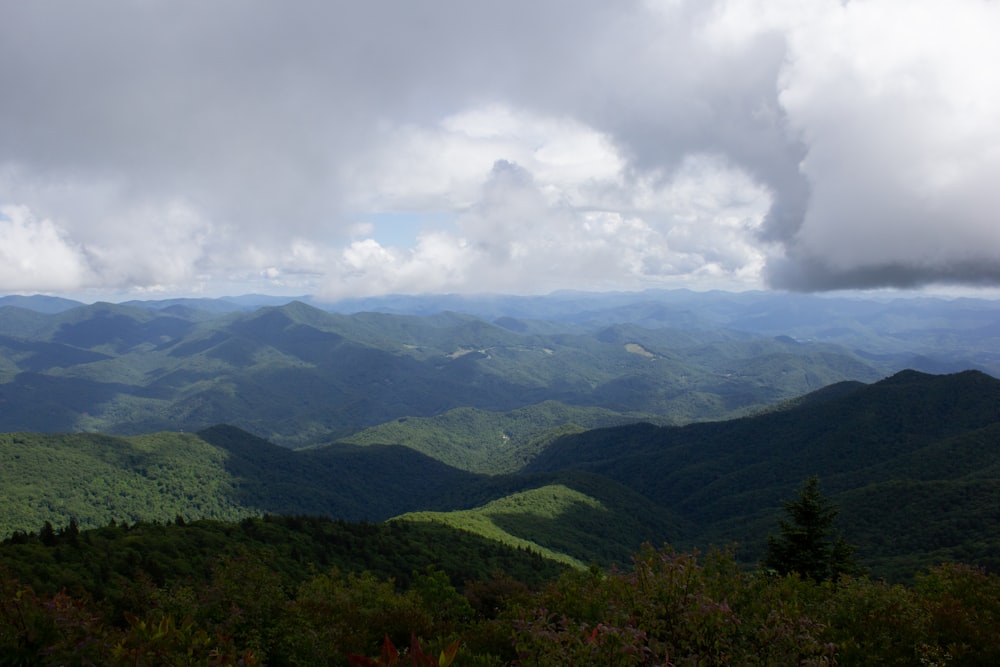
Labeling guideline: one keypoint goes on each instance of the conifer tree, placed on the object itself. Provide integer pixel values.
(807, 544)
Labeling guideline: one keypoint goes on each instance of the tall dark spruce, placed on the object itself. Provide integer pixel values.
(808, 544)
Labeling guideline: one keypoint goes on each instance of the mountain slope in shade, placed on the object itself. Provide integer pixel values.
(913, 461)
(933, 437)
(228, 474)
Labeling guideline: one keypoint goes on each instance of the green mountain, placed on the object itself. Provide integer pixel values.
(573, 427)
(575, 518)
(219, 473)
(103, 561)
(301, 376)
(488, 442)
(223, 473)
(911, 460)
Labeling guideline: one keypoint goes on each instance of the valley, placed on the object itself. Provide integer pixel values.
(572, 440)
(679, 426)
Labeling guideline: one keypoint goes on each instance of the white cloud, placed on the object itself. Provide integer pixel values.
(151, 247)
(35, 254)
(442, 166)
(698, 228)
(202, 146)
(897, 107)
(438, 263)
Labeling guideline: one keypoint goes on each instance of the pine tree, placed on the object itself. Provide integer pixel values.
(47, 535)
(807, 544)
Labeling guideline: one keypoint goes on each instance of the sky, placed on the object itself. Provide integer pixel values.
(154, 148)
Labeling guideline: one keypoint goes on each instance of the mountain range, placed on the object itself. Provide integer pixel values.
(299, 375)
(912, 461)
(577, 425)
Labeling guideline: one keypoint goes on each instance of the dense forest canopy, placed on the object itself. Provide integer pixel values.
(911, 461)
(299, 590)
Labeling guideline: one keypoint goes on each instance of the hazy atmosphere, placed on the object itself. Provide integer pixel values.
(353, 149)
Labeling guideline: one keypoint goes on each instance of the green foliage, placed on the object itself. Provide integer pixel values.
(60, 630)
(550, 501)
(90, 479)
(669, 607)
(912, 461)
(84, 480)
(98, 561)
(678, 608)
(575, 519)
(249, 590)
(353, 616)
(487, 442)
(875, 623)
(807, 544)
(390, 656)
(221, 473)
(964, 608)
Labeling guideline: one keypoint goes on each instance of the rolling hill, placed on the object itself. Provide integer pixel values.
(223, 473)
(931, 439)
(301, 376)
(912, 461)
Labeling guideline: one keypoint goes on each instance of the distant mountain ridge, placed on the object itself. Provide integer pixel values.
(298, 375)
(934, 334)
(39, 303)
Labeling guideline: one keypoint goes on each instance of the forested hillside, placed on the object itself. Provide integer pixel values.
(913, 458)
(226, 474)
(221, 473)
(913, 461)
(298, 375)
(492, 442)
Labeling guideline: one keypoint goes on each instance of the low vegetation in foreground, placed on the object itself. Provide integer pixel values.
(292, 591)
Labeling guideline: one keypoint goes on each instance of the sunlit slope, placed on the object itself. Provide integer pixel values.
(94, 479)
(220, 473)
(488, 442)
(574, 518)
(225, 473)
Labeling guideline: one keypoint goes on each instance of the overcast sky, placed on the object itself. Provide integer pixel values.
(185, 147)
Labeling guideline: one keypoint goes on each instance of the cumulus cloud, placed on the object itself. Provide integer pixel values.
(35, 254)
(443, 165)
(903, 147)
(189, 146)
(523, 236)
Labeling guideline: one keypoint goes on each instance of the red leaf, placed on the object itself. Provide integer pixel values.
(389, 653)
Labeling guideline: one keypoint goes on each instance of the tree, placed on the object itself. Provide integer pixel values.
(807, 544)
(47, 535)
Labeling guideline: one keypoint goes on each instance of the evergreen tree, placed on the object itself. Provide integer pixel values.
(807, 544)
(47, 535)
